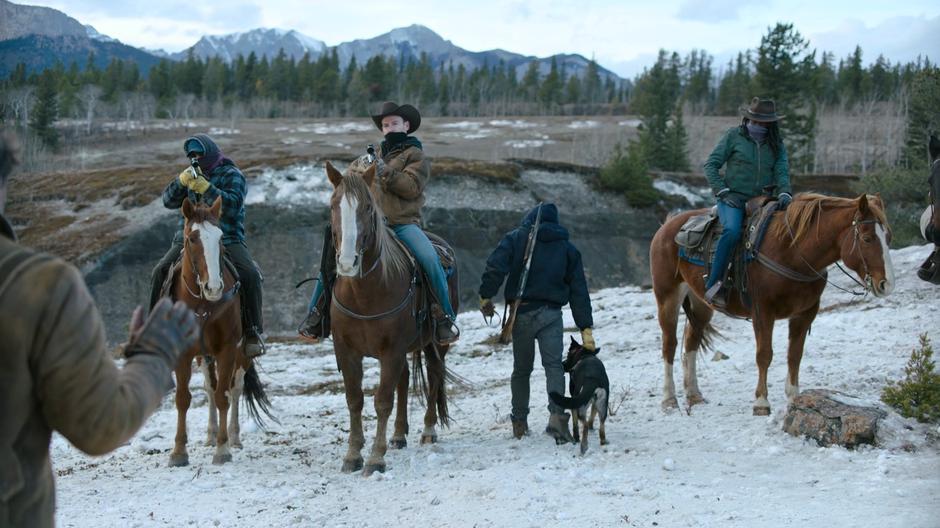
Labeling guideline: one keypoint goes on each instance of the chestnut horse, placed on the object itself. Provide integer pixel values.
(205, 284)
(374, 314)
(813, 233)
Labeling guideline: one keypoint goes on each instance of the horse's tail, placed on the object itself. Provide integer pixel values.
(436, 380)
(255, 397)
(703, 333)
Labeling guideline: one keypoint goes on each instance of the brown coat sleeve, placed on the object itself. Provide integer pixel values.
(82, 393)
(406, 174)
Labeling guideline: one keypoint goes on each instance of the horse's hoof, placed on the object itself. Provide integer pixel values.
(398, 443)
(178, 460)
(372, 468)
(352, 465)
(235, 444)
(428, 439)
(670, 403)
(761, 411)
(695, 399)
(583, 448)
(221, 459)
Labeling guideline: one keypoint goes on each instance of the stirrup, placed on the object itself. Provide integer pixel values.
(450, 324)
(252, 349)
(311, 330)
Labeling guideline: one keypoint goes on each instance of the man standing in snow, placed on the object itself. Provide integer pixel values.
(556, 277)
(56, 374)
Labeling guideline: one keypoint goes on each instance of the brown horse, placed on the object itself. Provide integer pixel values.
(813, 233)
(374, 314)
(210, 289)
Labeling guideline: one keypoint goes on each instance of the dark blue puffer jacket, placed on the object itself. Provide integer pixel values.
(556, 275)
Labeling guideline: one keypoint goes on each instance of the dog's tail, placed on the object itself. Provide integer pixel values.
(587, 392)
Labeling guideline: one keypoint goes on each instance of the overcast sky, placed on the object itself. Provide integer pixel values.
(623, 36)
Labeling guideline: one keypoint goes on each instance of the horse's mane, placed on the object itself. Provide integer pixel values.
(805, 209)
(391, 256)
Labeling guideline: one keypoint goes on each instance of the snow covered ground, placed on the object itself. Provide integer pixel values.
(718, 466)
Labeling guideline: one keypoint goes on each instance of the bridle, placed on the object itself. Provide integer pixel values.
(207, 305)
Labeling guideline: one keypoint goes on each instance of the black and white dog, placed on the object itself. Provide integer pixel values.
(589, 387)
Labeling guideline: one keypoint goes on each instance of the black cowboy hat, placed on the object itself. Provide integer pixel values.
(761, 110)
(406, 112)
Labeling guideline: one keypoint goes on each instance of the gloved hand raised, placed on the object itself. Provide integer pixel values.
(187, 177)
(167, 333)
(197, 182)
(587, 340)
(487, 307)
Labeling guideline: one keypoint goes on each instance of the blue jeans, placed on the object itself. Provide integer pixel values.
(732, 220)
(424, 253)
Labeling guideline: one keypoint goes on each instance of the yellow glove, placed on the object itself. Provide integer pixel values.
(186, 177)
(587, 339)
(486, 306)
(199, 185)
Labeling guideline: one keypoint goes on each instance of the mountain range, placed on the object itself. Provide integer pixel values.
(41, 36)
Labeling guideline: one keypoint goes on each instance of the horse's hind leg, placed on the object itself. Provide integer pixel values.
(799, 326)
(695, 338)
(225, 367)
(209, 382)
(234, 428)
(184, 369)
(400, 436)
(391, 368)
(667, 300)
(351, 368)
(434, 359)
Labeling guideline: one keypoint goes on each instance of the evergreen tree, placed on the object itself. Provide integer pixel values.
(662, 136)
(923, 117)
(551, 89)
(783, 65)
(45, 110)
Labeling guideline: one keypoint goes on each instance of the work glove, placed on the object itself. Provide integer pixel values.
(587, 340)
(200, 184)
(187, 177)
(168, 332)
(487, 307)
(783, 200)
(731, 200)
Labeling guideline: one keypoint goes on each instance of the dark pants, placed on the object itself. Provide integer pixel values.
(732, 220)
(247, 272)
(545, 326)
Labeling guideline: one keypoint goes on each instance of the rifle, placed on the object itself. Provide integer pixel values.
(196, 172)
(505, 336)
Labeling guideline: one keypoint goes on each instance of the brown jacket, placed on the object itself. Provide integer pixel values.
(55, 374)
(400, 188)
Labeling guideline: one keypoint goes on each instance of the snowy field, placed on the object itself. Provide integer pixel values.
(718, 466)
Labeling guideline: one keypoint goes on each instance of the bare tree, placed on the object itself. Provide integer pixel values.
(90, 95)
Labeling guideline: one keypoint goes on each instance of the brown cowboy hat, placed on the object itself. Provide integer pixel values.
(761, 110)
(406, 112)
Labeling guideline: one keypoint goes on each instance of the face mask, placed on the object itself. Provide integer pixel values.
(758, 132)
(393, 138)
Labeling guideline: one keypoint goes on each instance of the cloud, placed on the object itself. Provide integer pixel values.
(709, 11)
(899, 39)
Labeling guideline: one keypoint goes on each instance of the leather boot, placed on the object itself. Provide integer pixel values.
(445, 330)
(312, 327)
(255, 345)
(558, 428)
(520, 427)
(715, 295)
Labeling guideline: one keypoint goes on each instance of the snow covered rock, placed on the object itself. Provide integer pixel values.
(831, 417)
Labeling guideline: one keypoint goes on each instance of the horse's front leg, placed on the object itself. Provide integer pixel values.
(351, 368)
(184, 369)
(400, 436)
(391, 368)
(234, 428)
(225, 367)
(209, 382)
(763, 334)
(799, 327)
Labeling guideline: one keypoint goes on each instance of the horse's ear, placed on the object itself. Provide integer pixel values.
(863, 204)
(934, 146)
(216, 208)
(369, 175)
(334, 175)
(187, 209)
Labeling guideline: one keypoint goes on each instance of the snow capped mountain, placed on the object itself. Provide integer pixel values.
(94, 35)
(264, 42)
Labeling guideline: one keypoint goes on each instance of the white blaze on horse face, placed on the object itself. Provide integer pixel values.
(211, 237)
(889, 266)
(346, 261)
